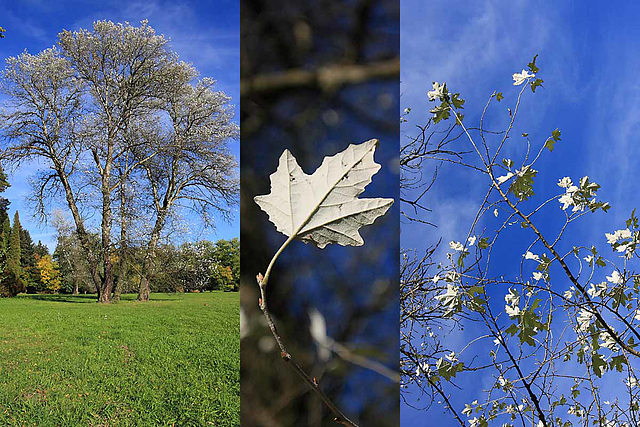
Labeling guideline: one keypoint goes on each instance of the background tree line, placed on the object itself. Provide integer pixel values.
(29, 267)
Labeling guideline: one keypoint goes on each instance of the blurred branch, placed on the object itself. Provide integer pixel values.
(327, 78)
(363, 362)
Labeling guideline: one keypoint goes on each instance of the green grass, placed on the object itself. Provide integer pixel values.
(68, 361)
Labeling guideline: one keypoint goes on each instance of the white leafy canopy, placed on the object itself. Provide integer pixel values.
(324, 207)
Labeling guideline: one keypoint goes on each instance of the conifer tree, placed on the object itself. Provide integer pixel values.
(13, 254)
(26, 249)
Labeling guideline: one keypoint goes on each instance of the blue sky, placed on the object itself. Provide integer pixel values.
(207, 34)
(589, 57)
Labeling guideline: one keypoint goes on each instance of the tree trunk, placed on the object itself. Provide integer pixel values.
(122, 275)
(124, 228)
(107, 278)
(75, 284)
(83, 236)
(148, 263)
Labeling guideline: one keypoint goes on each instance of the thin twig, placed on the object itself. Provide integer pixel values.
(340, 418)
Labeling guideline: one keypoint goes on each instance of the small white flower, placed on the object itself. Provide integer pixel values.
(435, 279)
(496, 341)
(437, 92)
(452, 357)
(615, 278)
(565, 182)
(504, 178)
(519, 78)
(537, 275)
(495, 213)
(467, 409)
(568, 294)
(512, 311)
(531, 255)
(608, 341)
(631, 382)
(512, 298)
(407, 110)
(595, 290)
(588, 258)
(618, 235)
(584, 320)
(472, 240)
(456, 246)
(452, 292)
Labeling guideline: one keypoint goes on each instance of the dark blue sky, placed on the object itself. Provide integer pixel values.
(206, 34)
(589, 57)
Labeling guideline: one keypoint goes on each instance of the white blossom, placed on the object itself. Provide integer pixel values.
(608, 341)
(596, 290)
(504, 178)
(519, 78)
(512, 311)
(584, 320)
(436, 93)
(618, 235)
(472, 240)
(495, 213)
(615, 278)
(457, 246)
(565, 182)
(531, 255)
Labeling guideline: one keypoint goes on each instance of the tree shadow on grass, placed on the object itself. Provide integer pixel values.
(76, 299)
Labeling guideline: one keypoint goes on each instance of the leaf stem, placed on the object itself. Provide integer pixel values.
(265, 279)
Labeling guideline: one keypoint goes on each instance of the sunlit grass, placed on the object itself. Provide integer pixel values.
(68, 361)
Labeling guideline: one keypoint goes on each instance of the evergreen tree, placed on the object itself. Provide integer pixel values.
(26, 249)
(40, 250)
(13, 255)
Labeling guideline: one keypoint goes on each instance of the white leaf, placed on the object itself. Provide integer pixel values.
(324, 207)
(519, 78)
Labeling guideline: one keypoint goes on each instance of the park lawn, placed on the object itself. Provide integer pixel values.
(68, 361)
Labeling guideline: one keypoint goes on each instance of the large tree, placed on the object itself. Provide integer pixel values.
(77, 107)
(193, 168)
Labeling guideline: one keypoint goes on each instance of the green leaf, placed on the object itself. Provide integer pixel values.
(536, 83)
(499, 96)
(555, 135)
(617, 362)
(483, 243)
(524, 134)
(549, 144)
(522, 186)
(441, 112)
(599, 364)
(457, 101)
(532, 65)
(507, 162)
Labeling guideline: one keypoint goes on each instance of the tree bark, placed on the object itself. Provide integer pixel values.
(83, 236)
(149, 259)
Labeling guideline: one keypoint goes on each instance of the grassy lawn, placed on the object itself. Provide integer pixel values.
(68, 361)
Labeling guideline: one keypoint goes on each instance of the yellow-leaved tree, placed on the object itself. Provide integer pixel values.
(49, 273)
